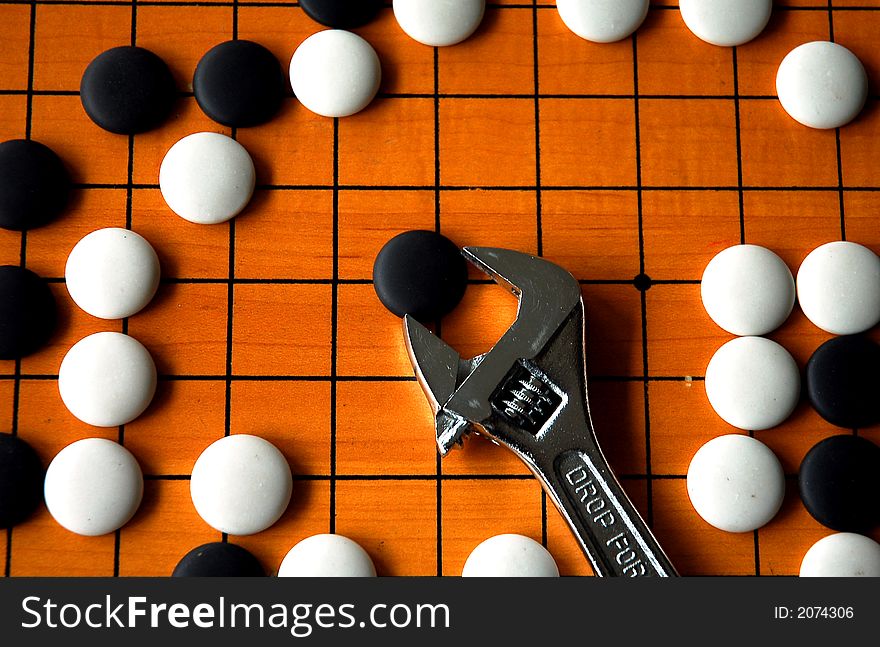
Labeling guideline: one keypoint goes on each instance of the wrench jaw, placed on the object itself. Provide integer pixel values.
(502, 394)
(439, 370)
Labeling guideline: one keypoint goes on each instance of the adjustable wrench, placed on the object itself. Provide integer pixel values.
(529, 394)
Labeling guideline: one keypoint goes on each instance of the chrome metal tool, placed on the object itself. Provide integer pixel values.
(529, 394)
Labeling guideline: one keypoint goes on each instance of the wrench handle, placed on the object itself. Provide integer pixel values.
(610, 530)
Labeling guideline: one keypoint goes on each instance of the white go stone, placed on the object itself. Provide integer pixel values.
(439, 23)
(93, 486)
(753, 383)
(843, 554)
(747, 290)
(112, 273)
(241, 484)
(207, 178)
(735, 483)
(822, 84)
(107, 379)
(335, 73)
(838, 287)
(603, 21)
(327, 556)
(510, 555)
(726, 23)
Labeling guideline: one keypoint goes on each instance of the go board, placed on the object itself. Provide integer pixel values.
(630, 164)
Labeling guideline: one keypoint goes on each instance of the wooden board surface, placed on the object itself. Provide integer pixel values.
(646, 156)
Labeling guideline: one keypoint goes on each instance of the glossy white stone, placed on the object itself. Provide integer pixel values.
(327, 556)
(843, 554)
(439, 23)
(753, 383)
(603, 21)
(822, 85)
(207, 178)
(735, 483)
(93, 486)
(747, 290)
(107, 379)
(838, 287)
(241, 484)
(726, 22)
(335, 73)
(112, 273)
(510, 555)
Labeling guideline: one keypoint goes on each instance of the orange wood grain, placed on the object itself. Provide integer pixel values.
(573, 172)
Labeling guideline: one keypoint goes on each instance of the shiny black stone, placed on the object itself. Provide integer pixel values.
(839, 482)
(27, 312)
(239, 83)
(420, 273)
(218, 560)
(127, 90)
(34, 185)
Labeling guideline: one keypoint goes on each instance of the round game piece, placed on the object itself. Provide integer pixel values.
(34, 185)
(843, 381)
(843, 554)
(21, 480)
(753, 383)
(439, 23)
(839, 482)
(107, 379)
(27, 312)
(239, 83)
(218, 559)
(822, 85)
(335, 73)
(93, 486)
(420, 273)
(735, 483)
(327, 556)
(127, 90)
(726, 22)
(207, 178)
(838, 287)
(510, 556)
(341, 14)
(112, 273)
(747, 290)
(241, 484)
(603, 21)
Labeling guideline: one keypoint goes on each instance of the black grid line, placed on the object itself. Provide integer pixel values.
(645, 280)
(840, 193)
(438, 459)
(739, 159)
(22, 260)
(334, 327)
(446, 96)
(279, 4)
(539, 230)
(36, 377)
(129, 194)
(526, 188)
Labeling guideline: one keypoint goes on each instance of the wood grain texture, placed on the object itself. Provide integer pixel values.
(643, 157)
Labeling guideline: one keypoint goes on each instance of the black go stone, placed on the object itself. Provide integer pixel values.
(420, 273)
(843, 381)
(128, 90)
(239, 83)
(34, 185)
(341, 14)
(218, 560)
(21, 480)
(27, 312)
(839, 483)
